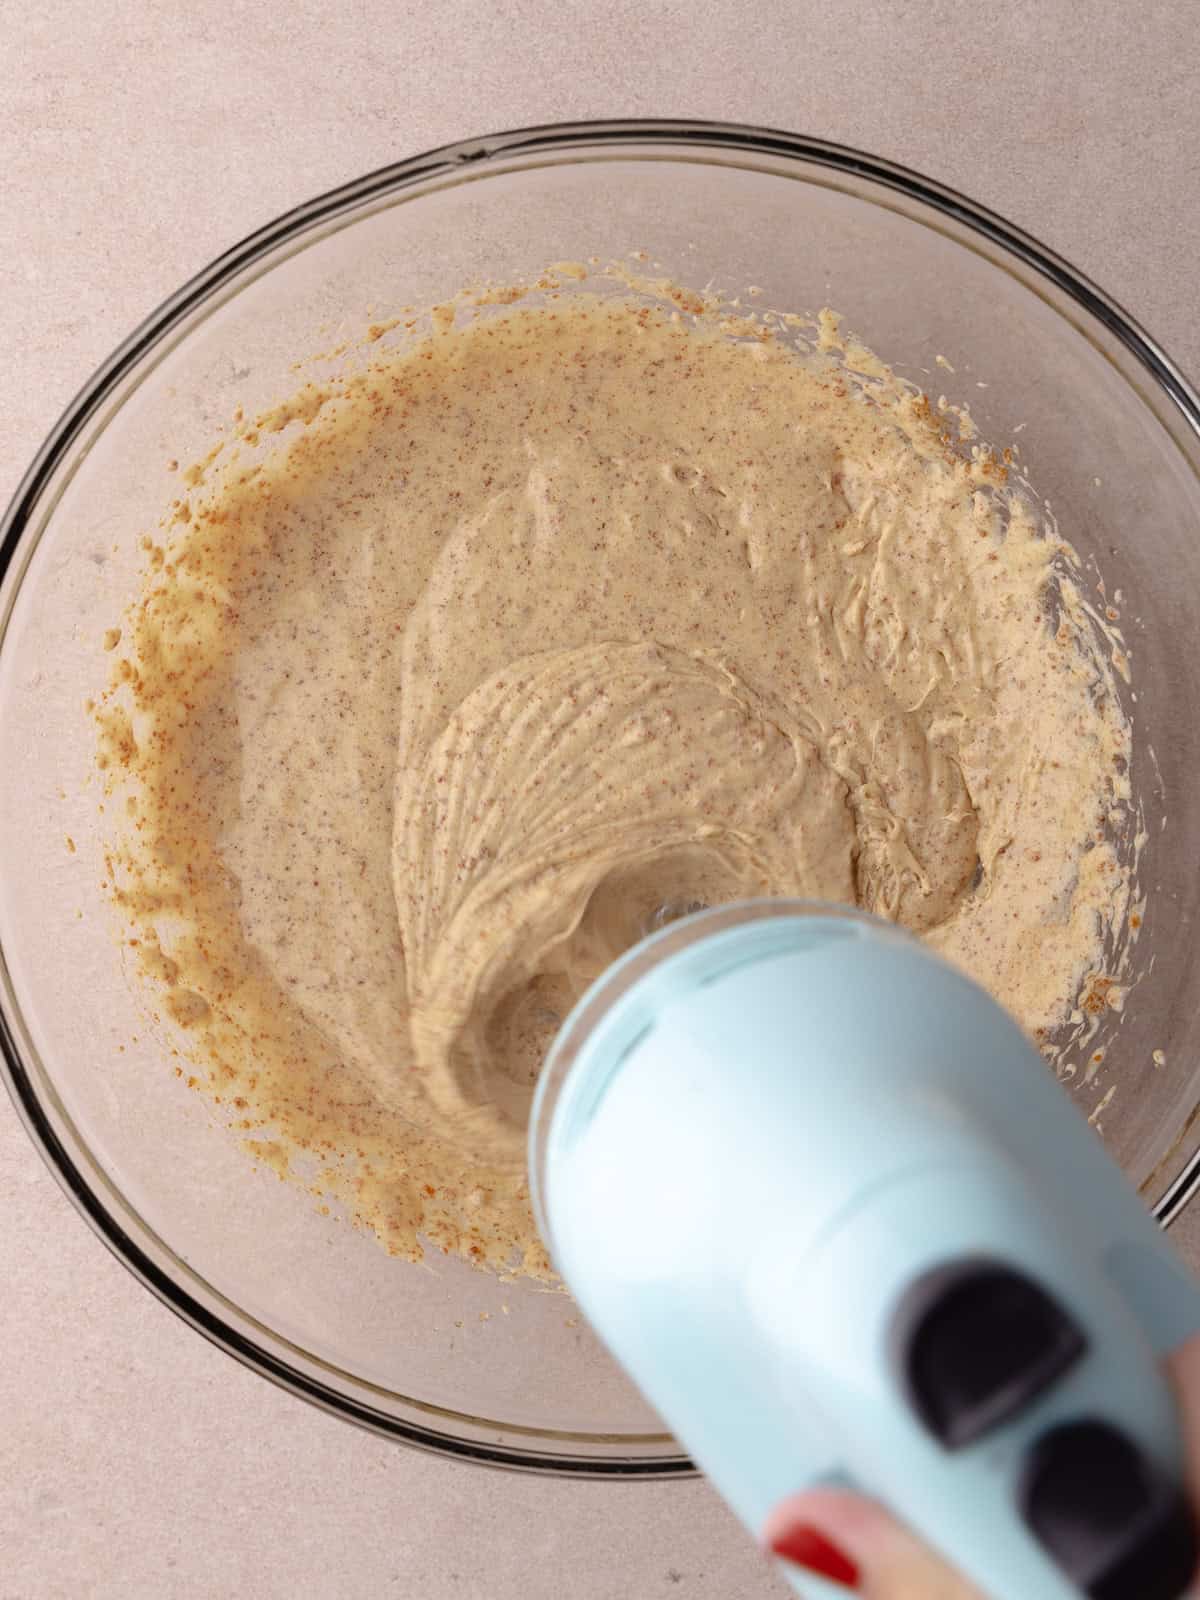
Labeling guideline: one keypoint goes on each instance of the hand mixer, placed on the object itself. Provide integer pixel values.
(837, 1219)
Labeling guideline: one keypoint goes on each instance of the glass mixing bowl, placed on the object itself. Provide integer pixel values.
(444, 1356)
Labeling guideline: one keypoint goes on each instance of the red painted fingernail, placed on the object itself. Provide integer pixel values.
(807, 1548)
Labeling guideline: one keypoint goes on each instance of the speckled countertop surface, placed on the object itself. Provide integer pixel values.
(138, 141)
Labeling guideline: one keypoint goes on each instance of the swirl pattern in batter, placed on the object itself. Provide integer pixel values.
(553, 624)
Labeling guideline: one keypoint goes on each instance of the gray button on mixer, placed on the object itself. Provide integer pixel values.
(975, 1341)
(1116, 1525)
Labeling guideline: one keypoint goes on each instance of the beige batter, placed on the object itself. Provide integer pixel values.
(561, 621)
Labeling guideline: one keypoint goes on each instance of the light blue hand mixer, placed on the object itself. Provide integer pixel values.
(833, 1213)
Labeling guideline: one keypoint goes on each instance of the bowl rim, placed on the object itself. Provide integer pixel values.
(660, 138)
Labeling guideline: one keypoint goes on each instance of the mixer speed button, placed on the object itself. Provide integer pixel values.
(975, 1341)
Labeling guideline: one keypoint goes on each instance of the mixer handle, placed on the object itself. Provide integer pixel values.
(974, 1342)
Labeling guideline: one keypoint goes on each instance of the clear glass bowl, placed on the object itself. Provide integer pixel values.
(443, 1356)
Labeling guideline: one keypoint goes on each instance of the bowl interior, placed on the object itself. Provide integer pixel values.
(442, 1353)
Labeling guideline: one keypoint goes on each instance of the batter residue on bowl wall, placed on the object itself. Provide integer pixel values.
(564, 616)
